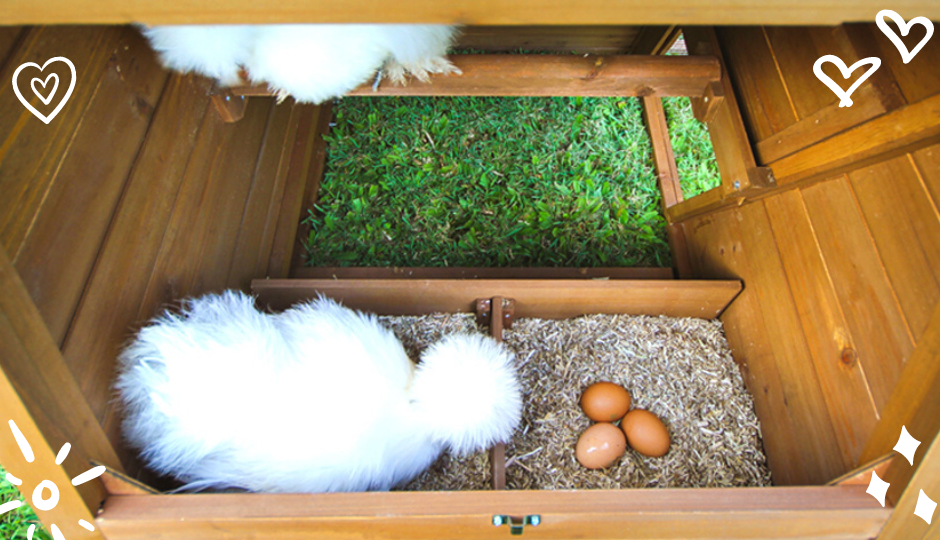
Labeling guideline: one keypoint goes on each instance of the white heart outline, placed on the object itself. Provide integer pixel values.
(905, 28)
(844, 99)
(68, 94)
(45, 100)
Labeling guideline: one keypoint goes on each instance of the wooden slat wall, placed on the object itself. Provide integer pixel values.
(840, 266)
(137, 194)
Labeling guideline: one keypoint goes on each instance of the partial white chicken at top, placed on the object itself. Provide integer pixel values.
(317, 398)
(310, 62)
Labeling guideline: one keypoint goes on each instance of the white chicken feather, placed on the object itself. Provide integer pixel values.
(317, 398)
(311, 62)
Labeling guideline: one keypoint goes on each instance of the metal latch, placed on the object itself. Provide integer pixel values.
(516, 524)
(505, 309)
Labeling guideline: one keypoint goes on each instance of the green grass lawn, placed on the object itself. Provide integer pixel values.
(14, 524)
(459, 181)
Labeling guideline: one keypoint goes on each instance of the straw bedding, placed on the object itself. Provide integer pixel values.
(680, 369)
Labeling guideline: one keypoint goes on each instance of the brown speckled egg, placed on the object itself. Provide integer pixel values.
(605, 402)
(646, 433)
(600, 446)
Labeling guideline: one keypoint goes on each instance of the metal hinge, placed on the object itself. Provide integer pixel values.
(516, 524)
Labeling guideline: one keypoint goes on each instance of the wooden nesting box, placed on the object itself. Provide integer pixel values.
(819, 252)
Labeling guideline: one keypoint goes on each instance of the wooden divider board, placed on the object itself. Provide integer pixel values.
(844, 512)
(550, 75)
(549, 298)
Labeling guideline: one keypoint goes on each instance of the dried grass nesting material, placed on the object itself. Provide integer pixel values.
(680, 369)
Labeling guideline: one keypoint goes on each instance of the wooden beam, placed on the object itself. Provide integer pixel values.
(547, 298)
(861, 476)
(907, 483)
(459, 272)
(470, 12)
(809, 512)
(898, 131)
(552, 75)
(38, 394)
(915, 401)
(668, 178)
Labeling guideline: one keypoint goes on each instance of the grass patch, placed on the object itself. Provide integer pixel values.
(695, 157)
(14, 524)
(467, 181)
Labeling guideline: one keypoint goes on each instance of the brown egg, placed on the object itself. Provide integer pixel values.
(605, 402)
(600, 445)
(646, 433)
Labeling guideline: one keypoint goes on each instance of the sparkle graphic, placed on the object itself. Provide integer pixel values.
(907, 445)
(925, 507)
(39, 500)
(877, 488)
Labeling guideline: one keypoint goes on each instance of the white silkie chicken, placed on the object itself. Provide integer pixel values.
(317, 398)
(311, 62)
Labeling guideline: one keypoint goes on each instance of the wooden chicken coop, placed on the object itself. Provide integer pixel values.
(819, 252)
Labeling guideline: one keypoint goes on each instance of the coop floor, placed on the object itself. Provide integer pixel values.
(680, 369)
(485, 182)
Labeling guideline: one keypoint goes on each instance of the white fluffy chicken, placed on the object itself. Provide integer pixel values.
(311, 62)
(317, 398)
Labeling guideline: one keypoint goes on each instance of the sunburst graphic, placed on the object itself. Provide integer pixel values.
(40, 502)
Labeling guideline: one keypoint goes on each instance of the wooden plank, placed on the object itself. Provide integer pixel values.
(918, 123)
(546, 298)
(112, 297)
(716, 242)
(71, 225)
(39, 394)
(455, 272)
(470, 12)
(554, 75)
(861, 284)
(816, 106)
(818, 512)
(29, 148)
(300, 170)
(312, 187)
(906, 229)
(917, 79)
(903, 524)
(914, 402)
(927, 163)
(9, 39)
(605, 39)
(862, 475)
(733, 153)
(230, 107)
(256, 230)
(70, 506)
(764, 329)
(667, 174)
(765, 103)
(703, 203)
(833, 348)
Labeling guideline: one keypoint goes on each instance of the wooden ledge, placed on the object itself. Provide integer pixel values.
(552, 75)
(545, 298)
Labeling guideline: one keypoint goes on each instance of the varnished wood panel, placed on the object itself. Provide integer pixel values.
(73, 219)
(29, 148)
(38, 392)
(765, 105)
(927, 162)
(844, 512)
(832, 346)
(919, 78)
(766, 334)
(9, 36)
(906, 229)
(861, 284)
(470, 12)
(109, 306)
